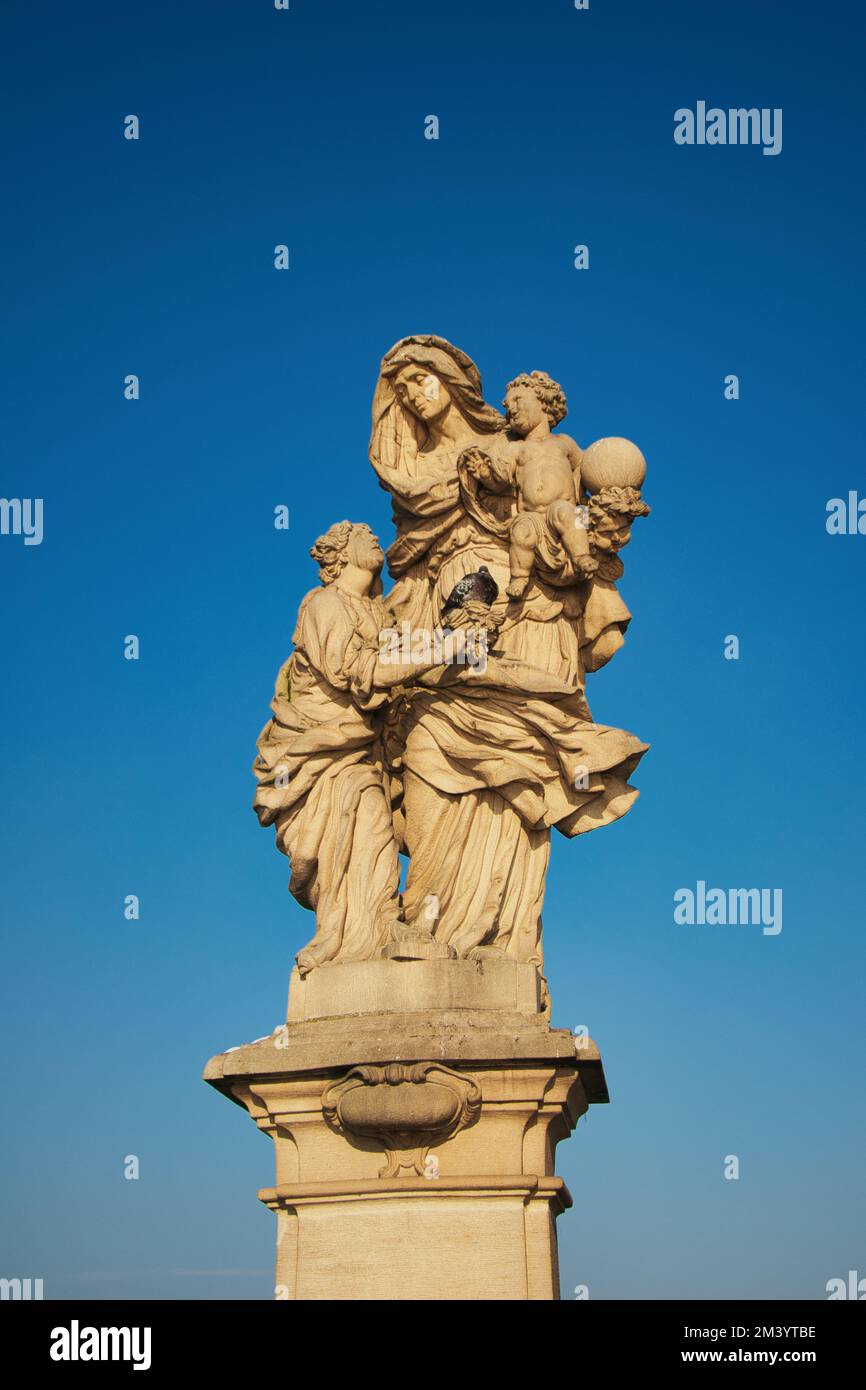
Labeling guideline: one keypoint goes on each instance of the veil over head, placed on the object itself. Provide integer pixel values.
(425, 494)
(398, 438)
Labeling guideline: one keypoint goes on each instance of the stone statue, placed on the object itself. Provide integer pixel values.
(378, 747)
(320, 769)
(543, 471)
(417, 1090)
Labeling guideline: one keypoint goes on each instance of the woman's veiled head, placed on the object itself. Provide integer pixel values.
(421, 392)
(421, 379)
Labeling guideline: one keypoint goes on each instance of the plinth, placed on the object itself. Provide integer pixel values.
(415, 1108)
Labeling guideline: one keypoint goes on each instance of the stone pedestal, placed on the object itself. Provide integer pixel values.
(415, 1106)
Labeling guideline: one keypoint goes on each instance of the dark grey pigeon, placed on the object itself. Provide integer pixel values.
(478, 587)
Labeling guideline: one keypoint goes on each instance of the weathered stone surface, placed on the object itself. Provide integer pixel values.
(427, 1177)
(416, 1093)
(415, 986)
(462, 1037)
(449, 720)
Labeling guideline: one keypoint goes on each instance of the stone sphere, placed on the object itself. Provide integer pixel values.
(612, 463)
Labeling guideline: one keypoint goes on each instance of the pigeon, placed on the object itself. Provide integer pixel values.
(478, 587)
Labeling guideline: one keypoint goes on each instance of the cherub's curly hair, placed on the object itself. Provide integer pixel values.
(329, 551)
(548, 391)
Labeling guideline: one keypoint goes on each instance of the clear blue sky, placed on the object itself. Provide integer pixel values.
(260, 127)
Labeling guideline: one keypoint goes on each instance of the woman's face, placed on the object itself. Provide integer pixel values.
(421, 392)
(364, 550)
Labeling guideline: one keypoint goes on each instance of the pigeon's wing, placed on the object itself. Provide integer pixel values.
(455, 598)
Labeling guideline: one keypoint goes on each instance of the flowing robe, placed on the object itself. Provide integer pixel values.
(493, 762)
(322, 782)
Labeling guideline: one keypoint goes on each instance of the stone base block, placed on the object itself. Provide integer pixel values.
(415, 1118)
(378, 987)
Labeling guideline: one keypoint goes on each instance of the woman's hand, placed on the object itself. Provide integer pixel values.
(476, 618)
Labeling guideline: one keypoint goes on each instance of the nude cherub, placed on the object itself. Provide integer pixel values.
(544, 469)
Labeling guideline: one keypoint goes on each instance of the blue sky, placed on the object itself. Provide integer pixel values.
(155, 257)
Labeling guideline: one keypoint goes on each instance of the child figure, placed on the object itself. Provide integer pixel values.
(544, 469)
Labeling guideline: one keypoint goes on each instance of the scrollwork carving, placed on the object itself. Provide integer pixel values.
(407, 1107)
